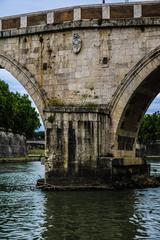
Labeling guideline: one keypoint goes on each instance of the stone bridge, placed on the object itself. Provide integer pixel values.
(92, 71)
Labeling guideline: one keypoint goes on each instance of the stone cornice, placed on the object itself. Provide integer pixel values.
(88, 16)
(143, 22)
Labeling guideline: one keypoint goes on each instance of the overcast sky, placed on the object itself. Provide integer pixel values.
(13, 7)
(10, 7)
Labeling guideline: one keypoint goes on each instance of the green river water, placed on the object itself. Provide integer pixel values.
(27, 213)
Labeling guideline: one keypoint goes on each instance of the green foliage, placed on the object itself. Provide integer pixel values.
(150, 128)
(16, 112)
(51, 119)
(39, 135)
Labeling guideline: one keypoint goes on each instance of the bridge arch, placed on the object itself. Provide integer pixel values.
(26, 79)
(131, 100)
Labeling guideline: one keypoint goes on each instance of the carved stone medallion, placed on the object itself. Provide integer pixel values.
(76, 43)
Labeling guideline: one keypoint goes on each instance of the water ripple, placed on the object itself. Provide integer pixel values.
(27, 213)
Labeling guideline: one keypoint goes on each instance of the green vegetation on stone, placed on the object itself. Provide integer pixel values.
(17, 113)
(150, 128)
(56, 102)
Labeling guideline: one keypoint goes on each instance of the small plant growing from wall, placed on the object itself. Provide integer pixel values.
(51, 119)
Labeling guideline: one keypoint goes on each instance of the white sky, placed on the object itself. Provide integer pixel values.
(12, 7)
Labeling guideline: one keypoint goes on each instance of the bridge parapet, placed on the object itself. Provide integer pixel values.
(88, 12)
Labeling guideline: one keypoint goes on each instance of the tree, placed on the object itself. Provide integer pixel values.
(16, 112)
(39, 135)
(150, 128)
(6, 106)
(25, 117)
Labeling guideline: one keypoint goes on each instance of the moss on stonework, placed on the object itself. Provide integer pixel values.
(56, 102)
(59, 102)
(99, 21)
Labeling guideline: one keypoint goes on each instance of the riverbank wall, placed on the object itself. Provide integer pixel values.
(12, 145)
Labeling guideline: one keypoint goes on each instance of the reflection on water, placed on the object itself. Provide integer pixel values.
(27, 213)
(146, 214)
(155, 167)
(90, 215)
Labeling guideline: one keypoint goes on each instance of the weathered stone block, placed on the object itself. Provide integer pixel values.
(77, 14)
(137, 11)
(23, 22)
(106, 12)
(50, 18)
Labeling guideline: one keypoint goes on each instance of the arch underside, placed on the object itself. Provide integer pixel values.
(135, 109)
(138, 90)
(26, 79)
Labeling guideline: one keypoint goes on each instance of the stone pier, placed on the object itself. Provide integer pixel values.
(76, 138)
(78, 148)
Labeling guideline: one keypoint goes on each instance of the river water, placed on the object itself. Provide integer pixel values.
(27, 213)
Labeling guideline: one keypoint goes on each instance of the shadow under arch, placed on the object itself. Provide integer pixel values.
(131, 100)
(26, 79)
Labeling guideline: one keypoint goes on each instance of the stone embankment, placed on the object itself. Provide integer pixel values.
(12, 145)
(127, 183)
